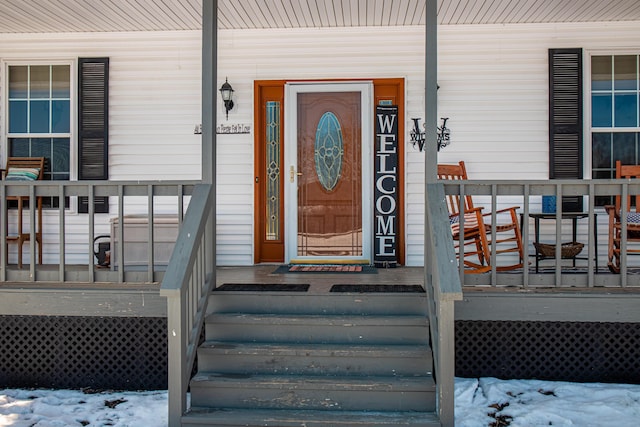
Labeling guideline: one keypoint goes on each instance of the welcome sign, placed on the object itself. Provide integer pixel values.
(386, 187)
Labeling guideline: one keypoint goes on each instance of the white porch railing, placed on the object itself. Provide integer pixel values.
(591, 229)
(68, 236)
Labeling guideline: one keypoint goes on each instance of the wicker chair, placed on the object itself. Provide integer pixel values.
(25, 169)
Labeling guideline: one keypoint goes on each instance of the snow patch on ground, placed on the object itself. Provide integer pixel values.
(483, 402)
(525, 403)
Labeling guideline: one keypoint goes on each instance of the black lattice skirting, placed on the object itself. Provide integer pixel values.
(557, 351)
(123, 353)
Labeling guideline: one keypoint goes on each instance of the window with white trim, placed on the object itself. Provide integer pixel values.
(615, 113)
(39, 115)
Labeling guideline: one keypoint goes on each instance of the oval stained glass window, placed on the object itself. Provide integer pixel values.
(328, 151)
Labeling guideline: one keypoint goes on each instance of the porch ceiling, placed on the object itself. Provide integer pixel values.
(44, 16)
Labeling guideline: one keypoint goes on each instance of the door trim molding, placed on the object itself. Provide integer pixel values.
(384, 89)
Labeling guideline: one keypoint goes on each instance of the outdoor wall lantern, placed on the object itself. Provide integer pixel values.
(418, 136)
(226, 91)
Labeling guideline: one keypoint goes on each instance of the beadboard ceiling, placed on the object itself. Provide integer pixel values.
(43, 16)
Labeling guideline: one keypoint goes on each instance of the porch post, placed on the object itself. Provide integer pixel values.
(431, 91)
(178, 377)
(209, 118)
(209, 91)
(444, 309)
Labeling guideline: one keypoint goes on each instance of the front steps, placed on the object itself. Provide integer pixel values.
(314, 359)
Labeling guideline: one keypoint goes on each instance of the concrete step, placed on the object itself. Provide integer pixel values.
(320, 303)
(313, 393)
(240, 327)
(307, 418)
(314, 359)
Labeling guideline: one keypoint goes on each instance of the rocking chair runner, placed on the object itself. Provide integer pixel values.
(615, 219)
(477, 231)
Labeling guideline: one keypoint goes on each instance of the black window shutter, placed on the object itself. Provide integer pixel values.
(93, 126)
(565, 120)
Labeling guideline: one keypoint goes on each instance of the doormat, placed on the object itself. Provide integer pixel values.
(302, 268)
(263, 287)
(415, 289)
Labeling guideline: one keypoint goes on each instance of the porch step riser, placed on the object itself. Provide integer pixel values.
(313, 329)
(335, 394)
(280, 418)
(314, 360)
(388, 304)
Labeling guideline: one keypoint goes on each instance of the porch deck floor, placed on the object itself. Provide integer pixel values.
(321, 281)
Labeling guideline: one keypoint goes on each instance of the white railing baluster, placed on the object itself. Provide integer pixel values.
(525, 235)
(592, 238)
(150, 235)
(120, 237)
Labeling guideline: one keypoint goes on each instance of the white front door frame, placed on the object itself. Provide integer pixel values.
(290, 161)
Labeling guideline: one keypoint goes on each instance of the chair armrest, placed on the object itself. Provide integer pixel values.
(469, 210)
(511, 209)
(611, 211)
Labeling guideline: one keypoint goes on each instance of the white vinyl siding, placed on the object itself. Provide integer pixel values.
(493, 87)
(154, 94)
(154, 107)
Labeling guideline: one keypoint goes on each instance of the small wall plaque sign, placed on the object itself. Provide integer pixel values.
(233, 129)
(226, 129)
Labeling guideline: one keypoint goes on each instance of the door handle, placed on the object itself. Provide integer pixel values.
(292, 174)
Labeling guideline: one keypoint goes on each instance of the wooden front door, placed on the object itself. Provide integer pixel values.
(314, 181)
(328, 216)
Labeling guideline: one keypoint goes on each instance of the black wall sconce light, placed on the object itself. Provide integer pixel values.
(226, 91)
(418, 136)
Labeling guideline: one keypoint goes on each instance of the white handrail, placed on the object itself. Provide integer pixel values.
(187, 284)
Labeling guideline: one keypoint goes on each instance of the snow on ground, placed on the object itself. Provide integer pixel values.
(479, 403)
(62, 408)
(545, 403)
